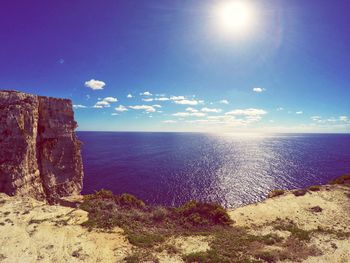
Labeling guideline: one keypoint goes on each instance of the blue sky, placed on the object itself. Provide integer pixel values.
(288, 71)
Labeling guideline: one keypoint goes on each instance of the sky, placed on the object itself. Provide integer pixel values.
(185, 65)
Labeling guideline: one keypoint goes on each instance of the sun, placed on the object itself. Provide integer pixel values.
(235, 16)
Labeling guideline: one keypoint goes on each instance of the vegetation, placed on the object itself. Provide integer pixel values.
(148, 228)
(275, 193)
(315, 188)
(299, 192)
(344, 180)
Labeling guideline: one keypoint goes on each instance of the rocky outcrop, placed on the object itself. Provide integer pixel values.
(39, 151)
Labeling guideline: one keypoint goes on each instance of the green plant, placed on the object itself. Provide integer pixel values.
(275, 193)
(315, 188)
(344, 179)
(204, 214)
(129, 201)
(300, 192)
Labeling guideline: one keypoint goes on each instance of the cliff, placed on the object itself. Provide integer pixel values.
(39, 151)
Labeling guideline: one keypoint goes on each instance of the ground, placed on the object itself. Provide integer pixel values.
(310, 226)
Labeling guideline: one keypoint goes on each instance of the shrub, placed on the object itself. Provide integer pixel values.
(275, 193)
(204, 257)
(315, 188)
(316, 209)
(129, 201)
(344, 179)
(300, 192)
(203, 214)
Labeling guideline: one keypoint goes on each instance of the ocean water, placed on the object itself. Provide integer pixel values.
(233, 170)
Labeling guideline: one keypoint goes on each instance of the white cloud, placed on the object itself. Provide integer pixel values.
(315, 118)
(224, 102)
(280, 109)
(110, 99)
(205, 109)
(169, 121)
(247, 112)
(121, 108)
(147, 99)
(146, 108)
(157, 106)
(344, 118)
(146, 93)
(79, 106)
(95, 84)
(114, 114)
(162, 99)
(190, 109)
(177, 97)
(102, 104)
(258, 90)
(299, 112)
(187, 102)
(129, 96)
(189, 114)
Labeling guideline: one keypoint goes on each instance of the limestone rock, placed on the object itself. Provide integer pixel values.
(39, 151)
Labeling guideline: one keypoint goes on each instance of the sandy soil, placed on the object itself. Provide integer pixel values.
(32, 231)
(335, 215)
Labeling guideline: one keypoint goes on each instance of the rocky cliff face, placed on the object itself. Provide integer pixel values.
(39, 151)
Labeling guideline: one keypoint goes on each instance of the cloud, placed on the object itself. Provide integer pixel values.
(169, 121)
(95, 84)
(259, 90)
(280, 109)
(147, 99)
(188, 102)
(129, 96)
(110, 99)
(224, 102)
(177, 97)
(157, 106)
(146, 93)
(189, 109)
(189, 114)
(121, 108)
(114, 114)
(211, 110)
(146, 108)
(102, 104)
(344, 118)
(299, 112)
(162, 99)
(79, 106)
(246, 112)
(316, 118)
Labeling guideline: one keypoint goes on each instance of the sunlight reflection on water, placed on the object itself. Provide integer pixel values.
(171, 168)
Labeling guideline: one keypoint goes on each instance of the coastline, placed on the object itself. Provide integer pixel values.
(38, 232)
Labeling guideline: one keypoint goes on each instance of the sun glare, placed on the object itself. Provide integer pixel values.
(235, 16)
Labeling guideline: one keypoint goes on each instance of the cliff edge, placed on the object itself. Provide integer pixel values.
(39, 151)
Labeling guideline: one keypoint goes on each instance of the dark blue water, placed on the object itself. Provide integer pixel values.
(233, 170)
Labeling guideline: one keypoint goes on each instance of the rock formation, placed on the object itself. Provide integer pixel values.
(39, 151)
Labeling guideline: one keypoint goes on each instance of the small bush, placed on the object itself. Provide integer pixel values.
(204, 257)
(315, 188)
(129, 201)
(134, 258)
(159, 214)
(275, 193)
(295, 231)
(204, 214)
(316, 209)
(300, 192)
(145, 240)
(344, 179)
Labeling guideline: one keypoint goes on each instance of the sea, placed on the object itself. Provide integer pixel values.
(230, 169)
